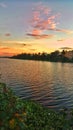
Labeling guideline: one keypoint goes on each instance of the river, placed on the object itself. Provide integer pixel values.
(49, 83)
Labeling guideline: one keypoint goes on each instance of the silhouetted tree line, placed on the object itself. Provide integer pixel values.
(55, 56)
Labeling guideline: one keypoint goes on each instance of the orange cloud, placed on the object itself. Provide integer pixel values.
(4, 48)
(8, 51)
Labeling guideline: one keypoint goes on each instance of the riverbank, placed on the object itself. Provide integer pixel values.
(56, 56)
(16, 114)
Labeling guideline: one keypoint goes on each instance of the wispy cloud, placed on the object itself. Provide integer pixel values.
(40, 36)
(61, 40)
(4, 48)
(5, 51)
(18, 44)
(64, 31)
(32, 49)
(42, 19)
(23, 44)
(66, 48)
(9, 51)
(3, 5)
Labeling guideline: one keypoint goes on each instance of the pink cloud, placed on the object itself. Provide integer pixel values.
(36, 32)
(42, 19)
(40, 36)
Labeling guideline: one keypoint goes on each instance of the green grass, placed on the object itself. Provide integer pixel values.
(16, 114)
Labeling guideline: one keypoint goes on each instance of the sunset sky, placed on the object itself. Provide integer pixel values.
(33, 26)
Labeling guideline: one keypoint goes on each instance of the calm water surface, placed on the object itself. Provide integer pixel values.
(50, 84)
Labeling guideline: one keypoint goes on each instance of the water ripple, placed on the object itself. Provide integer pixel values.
(50, 84)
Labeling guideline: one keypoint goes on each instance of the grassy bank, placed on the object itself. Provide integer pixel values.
(16, 114)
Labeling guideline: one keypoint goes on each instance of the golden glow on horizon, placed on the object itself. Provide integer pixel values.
(16, 47)
(32, 46)
(41, 27)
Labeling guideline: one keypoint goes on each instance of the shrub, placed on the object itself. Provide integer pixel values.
(16, 114)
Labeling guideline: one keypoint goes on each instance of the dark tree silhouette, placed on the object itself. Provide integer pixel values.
(55, 56)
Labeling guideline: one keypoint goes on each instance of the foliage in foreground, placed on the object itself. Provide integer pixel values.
(16, 114)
